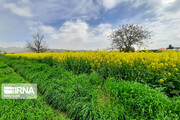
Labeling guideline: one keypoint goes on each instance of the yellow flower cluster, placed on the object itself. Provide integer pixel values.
(169, 74)
(115, 58)
(161, 80)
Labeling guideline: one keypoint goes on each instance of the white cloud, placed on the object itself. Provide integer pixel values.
(53, 10)
(165, 25)
(24, 1)
(164, 22)
(76, 35)
(108, 4)
(161, 16)
(167, 2)
(165, 31)
(49, 10)
(24, 11)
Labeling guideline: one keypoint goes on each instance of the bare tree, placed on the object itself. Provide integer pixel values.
(127, 35)
(37, 45)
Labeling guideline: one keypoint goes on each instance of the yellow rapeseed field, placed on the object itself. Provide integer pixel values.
(150, 59)
(155, 69)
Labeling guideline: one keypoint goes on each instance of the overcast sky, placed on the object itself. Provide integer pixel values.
(85, 24)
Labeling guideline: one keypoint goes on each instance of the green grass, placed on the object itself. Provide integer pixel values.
(139, 72)
(23, 109)
(88, 97)
(134, 100)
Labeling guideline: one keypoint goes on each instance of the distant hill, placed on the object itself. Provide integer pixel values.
(25, 50)
(64, 50)
(14, 50)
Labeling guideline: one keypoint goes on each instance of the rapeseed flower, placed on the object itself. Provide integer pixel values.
(169, 74)
(161, 80)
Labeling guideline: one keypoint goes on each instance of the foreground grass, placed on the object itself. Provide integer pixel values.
(84, 97)
(23, 109)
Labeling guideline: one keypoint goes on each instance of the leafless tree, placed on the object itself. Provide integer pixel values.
(127, 35)
(37, 45)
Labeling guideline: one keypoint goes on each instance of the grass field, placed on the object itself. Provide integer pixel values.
(23, 109)
(96, 85)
